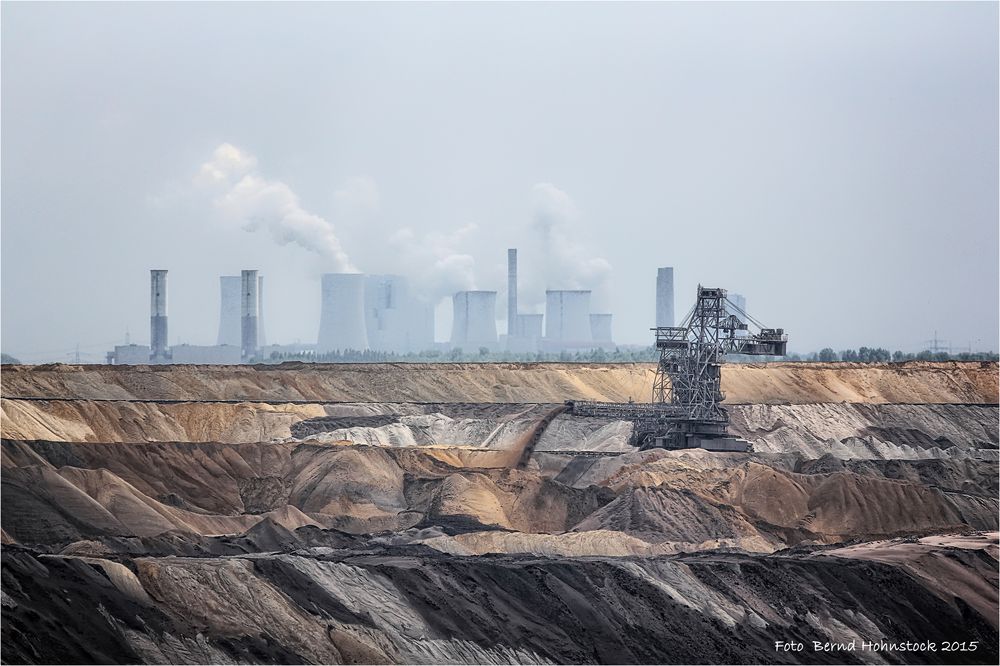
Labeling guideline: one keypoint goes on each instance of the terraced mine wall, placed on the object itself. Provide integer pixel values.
(773, 383)
(420, 514)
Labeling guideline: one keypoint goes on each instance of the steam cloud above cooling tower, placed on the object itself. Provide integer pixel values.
(257, 203)
(568, 264)
(436, 262)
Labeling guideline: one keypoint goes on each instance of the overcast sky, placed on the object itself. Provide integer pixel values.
(835, 163)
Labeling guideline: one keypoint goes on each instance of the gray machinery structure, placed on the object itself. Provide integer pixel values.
(686, 409)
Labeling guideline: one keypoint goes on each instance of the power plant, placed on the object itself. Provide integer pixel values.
(382, 312)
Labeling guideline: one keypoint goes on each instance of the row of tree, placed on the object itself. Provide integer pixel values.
(879, 355)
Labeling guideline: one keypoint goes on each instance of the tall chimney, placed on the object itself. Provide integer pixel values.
(158, 315)
(665, 296)
(248, 314)
(512, 292)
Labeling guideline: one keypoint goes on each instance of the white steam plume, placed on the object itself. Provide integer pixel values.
(435, 263)
(567, 263)
(257, 203)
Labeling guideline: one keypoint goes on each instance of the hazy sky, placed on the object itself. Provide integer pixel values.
(836, 163)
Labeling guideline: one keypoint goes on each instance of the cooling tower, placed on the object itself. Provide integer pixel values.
(387, 312)
(529, 326)
(567, 316)
(740, 301)
(342, 313)
(600, 329)
(260, 312)
(512, 291)
(474, 322)
(248, 314)
(158, 315)
(229, 313)
(665, 296)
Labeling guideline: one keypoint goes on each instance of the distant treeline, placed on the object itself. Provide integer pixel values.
(879, 355)
(619, 355)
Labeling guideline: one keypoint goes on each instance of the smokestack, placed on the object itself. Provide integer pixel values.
(229, 313)
(512, 292)
(567, 316)
(342, 313)
(665, 296)
(248, 314)
(158, 315)
(474, 322)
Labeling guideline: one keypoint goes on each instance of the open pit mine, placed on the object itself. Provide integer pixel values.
(435, 514)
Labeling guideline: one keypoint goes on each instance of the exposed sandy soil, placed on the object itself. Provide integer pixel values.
(95, 421)
(842, 430)
(358, 527)
(773, 383)
(691, 500)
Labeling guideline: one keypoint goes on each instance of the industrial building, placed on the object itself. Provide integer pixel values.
(240, 326)
(568, 323)
(130, 355)
(474, 320)
(206, 354)
(295, 349)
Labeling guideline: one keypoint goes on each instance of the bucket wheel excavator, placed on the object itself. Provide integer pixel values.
(686, 409)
